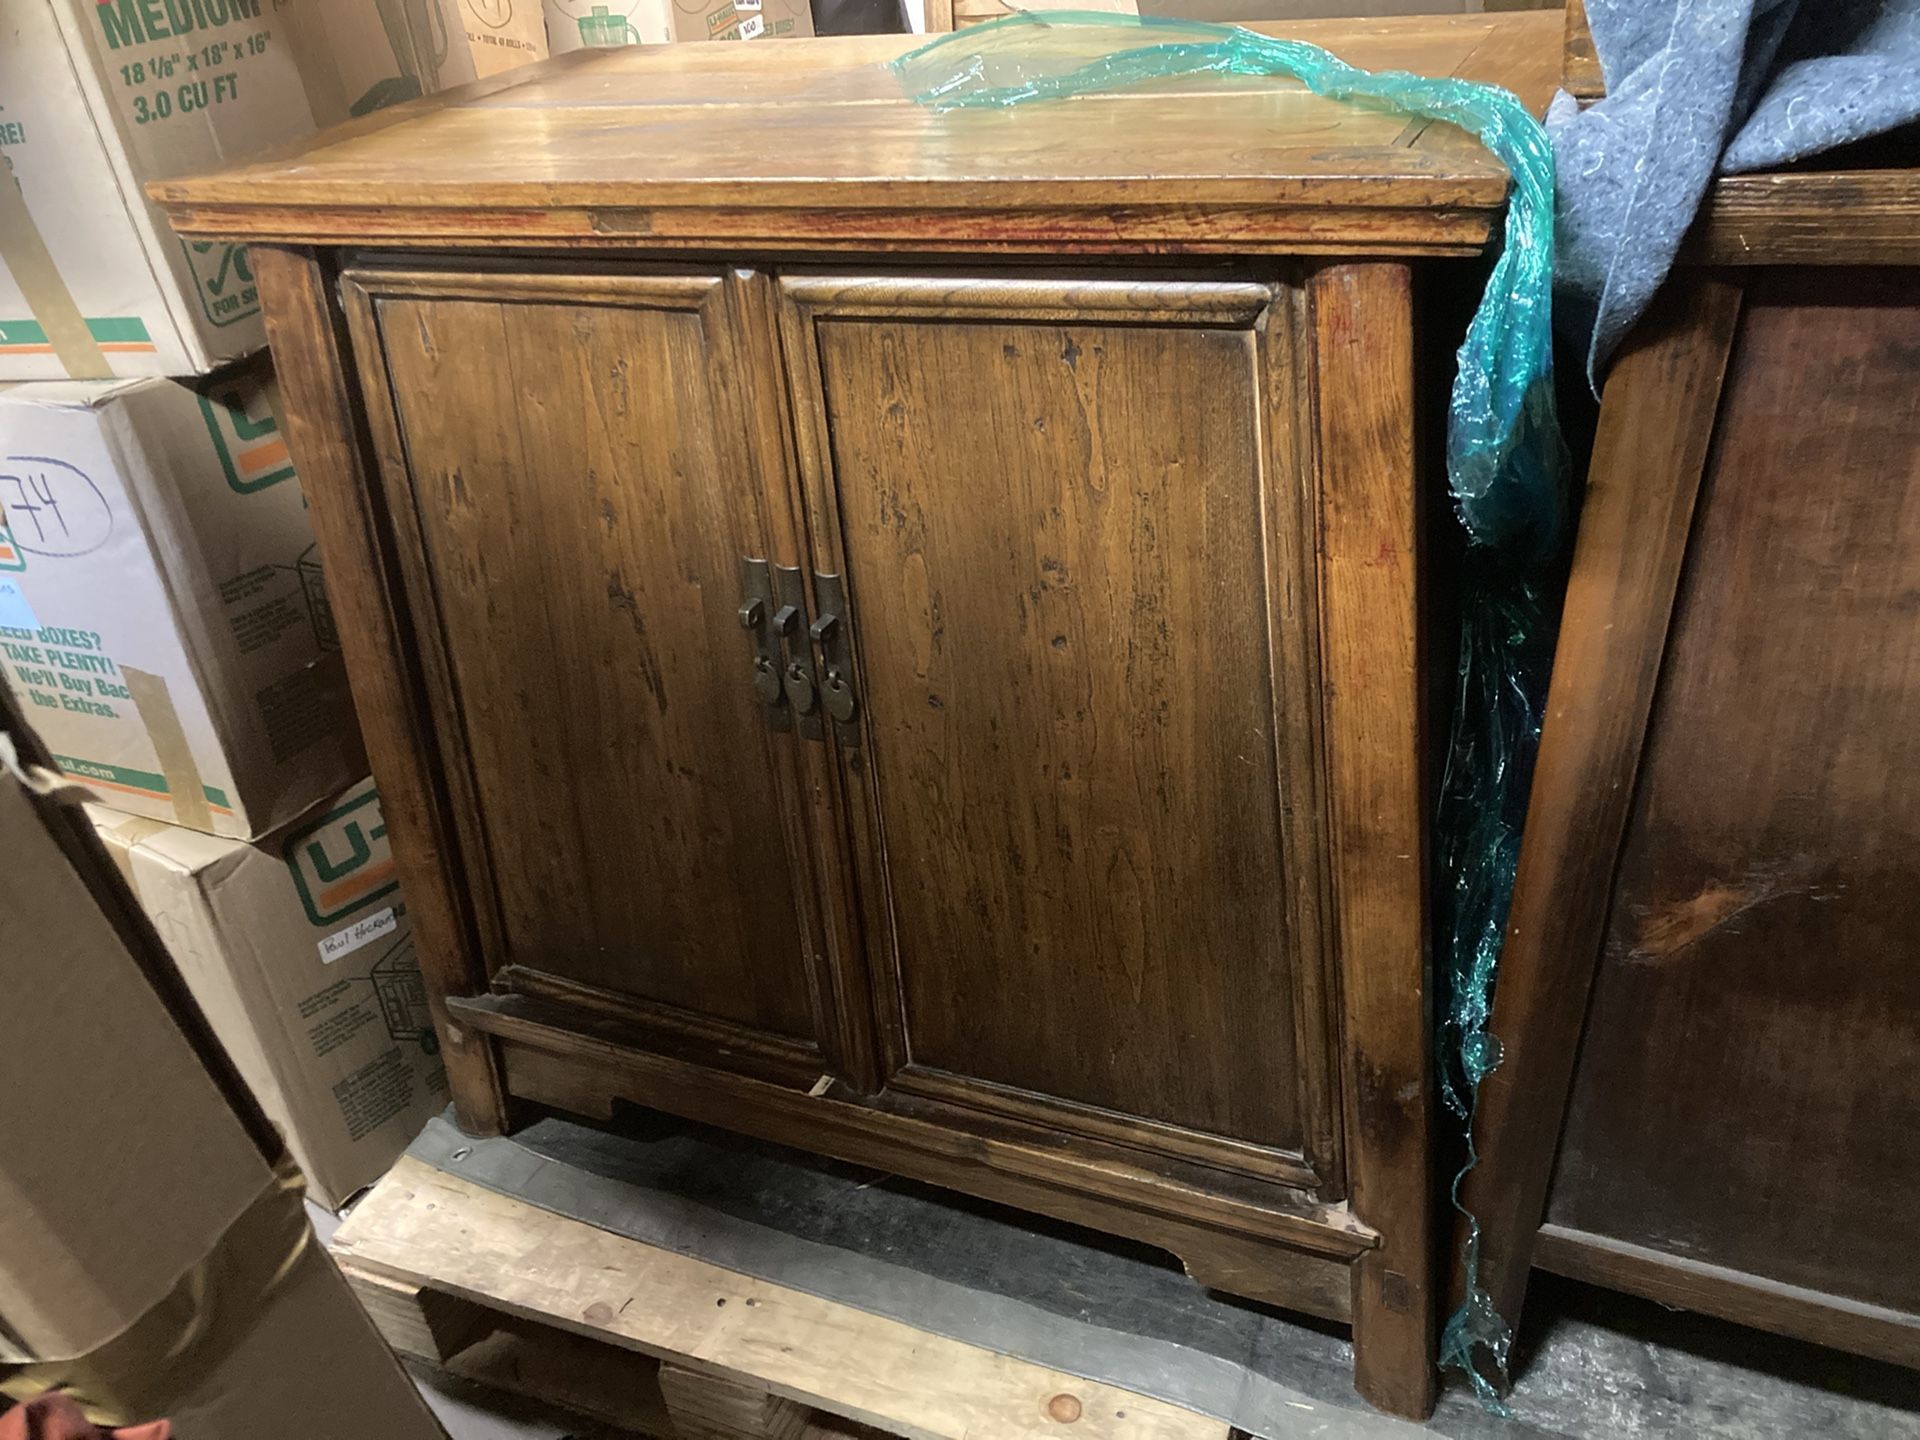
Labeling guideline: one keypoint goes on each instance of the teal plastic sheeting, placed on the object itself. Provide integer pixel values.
(1506, 466)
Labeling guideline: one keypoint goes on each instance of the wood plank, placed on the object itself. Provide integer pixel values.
(647, 141)
(1370, 648)
(1649, 453)
(468, 1340)
(1293, 227)
(558, 1053)
(1580, 62)
(712, 1407)
(1747, 1299)
(327, 435)
(1836, 217)
(416, 1322)
(429, 1227)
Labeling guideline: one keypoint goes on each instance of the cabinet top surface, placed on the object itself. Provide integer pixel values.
(812, 143)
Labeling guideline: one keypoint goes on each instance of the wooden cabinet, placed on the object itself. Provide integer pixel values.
(1709, 1001)
(927, 670)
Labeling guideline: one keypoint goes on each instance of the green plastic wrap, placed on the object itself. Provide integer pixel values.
(1506, 466)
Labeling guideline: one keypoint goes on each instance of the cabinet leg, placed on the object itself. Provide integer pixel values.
(1393, 1367)
(481, 1105)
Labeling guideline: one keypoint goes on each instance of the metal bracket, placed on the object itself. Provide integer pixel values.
(797, 673)
(830, 633)
(756, 618)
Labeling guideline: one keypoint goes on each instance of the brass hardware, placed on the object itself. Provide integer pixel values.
(757, 584)
(789, 625)
(829, 632)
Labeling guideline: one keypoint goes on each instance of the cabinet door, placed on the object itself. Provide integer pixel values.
(1085, 764)
(568, 467)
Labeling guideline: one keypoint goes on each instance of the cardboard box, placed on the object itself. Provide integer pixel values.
(299, 952)
(98, 97)
(152, 1256)
(504, 33)
(742, 19)
(162, 614)
(607, 24)
(358, 56)
(1229, 11)
(577, 24)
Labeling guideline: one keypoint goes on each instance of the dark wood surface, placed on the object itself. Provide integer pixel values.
(1790, 219)
(1649, 453)
(643, 145)
(1718, 922)
(583, 497)
(326, 429)
(1580, 62)
(1049, 505)
(1818, 1315)
(1746, 1095)
(1371, 546)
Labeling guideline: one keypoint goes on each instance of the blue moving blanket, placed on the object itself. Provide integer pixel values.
(1696, 87)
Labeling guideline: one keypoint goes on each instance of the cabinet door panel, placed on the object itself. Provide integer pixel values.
(1056, 532)
(583, 505)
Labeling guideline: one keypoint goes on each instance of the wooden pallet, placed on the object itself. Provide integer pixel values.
(493, 1290)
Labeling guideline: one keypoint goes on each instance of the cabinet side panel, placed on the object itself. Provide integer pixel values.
(327, 436)
(1745, 1096)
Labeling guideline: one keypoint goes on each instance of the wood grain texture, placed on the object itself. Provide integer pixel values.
(1070, 729)
(1745, 1097)
(575, 468)
(1791, 219)
(1377, 799)
(430, 1228)
(1580, 63)
(660, 146)
(1816, 1315)
(1649, 453)
(1249, 1237)
(327, 435)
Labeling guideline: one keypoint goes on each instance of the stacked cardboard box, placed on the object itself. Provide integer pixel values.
(583, 24)
(163, 618)
(162, 613)
(299, 952)
(99, 97)
(153, 1261)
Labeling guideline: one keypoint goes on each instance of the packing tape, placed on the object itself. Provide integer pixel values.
(25, 254)
(124, 838)
(170, 748)
(164, 1356)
